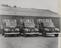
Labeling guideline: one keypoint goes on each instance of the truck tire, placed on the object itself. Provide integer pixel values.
(44, 34)
(56, 35)
(2, 33)
(5, 35)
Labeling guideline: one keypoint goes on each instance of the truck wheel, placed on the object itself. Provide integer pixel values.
(2, 33)
(24, 34)
(44, 34)
(5, 35)
(56, 35)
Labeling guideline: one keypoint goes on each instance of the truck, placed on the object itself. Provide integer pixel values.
(10, 28)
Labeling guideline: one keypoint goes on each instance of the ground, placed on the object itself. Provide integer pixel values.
(28, 42)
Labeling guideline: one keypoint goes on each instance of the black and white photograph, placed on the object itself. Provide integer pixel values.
(29, 24)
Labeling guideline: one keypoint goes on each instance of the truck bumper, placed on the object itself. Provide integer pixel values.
(12, 33)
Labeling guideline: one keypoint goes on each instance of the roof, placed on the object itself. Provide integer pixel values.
(27, 12)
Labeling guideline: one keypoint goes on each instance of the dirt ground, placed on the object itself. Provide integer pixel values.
(28, 42)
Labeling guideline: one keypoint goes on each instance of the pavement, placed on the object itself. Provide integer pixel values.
(28, 42)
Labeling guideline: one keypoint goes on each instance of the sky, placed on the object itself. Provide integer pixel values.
(39, 4)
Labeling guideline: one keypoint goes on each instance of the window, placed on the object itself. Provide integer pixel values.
(10, 22)
(47, 22)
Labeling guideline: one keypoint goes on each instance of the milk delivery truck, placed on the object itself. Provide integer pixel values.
(29, 21)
